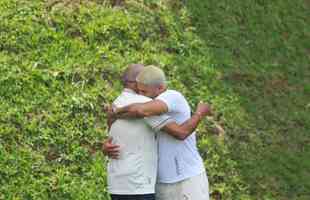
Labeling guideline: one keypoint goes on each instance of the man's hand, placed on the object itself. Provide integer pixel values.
(110, 149)
(203, 109)
(109, 110)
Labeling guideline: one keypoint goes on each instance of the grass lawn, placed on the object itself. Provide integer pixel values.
(263, 50)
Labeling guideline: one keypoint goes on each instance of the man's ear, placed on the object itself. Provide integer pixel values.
(162, 87)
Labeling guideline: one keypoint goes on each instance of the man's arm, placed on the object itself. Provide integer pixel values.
(109, 112)
(110, 149)
(182, 131)
(140, 110)
(110, 120)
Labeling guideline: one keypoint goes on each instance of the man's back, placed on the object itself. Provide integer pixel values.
(135, 170)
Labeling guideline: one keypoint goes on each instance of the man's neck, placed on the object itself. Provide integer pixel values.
(163, 90)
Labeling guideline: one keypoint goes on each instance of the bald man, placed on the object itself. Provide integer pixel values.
(181, 173)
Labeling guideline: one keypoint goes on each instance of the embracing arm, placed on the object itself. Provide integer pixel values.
(110, 121)
(110, 118)
(182, 131)
(140, 110)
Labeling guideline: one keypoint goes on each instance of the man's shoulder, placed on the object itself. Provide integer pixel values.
(171, 93)
(129, 98)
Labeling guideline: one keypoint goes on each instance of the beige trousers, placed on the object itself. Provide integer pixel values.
(194, 188)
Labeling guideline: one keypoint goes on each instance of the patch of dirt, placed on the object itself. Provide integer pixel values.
(280, 84)
(240, 77)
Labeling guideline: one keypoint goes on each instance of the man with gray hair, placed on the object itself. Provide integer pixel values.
(132, 144)
(181, 173)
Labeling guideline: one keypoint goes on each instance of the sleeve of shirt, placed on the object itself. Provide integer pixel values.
(158, 122)
(170, 99)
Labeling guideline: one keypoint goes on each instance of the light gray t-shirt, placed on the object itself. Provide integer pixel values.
(135, 170)
(178, 160)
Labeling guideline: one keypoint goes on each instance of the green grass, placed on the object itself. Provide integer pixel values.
(262, 49)
(60, 62)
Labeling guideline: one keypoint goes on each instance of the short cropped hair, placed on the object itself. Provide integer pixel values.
(151, 75)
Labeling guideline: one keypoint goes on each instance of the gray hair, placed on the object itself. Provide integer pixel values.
(152, 75)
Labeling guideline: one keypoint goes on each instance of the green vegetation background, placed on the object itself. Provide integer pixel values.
(60, 61)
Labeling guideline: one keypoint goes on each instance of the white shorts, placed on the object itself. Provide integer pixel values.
(194, 188)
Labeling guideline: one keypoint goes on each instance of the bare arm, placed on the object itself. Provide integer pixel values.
(140, 110)
(110, 121)
(110, 118)
(184, 130)
(108, 148)
(181, 132)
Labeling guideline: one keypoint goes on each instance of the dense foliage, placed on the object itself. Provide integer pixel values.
(60, 61)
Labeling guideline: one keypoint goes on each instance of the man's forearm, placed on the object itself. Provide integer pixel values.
(182, 131)
(191, 124)
(110, 121)
(130, 111)
(140, 110)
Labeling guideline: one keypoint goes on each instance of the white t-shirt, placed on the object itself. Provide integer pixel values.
(178, 160)
(135, 170)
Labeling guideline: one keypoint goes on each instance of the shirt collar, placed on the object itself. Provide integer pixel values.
(129, 90)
